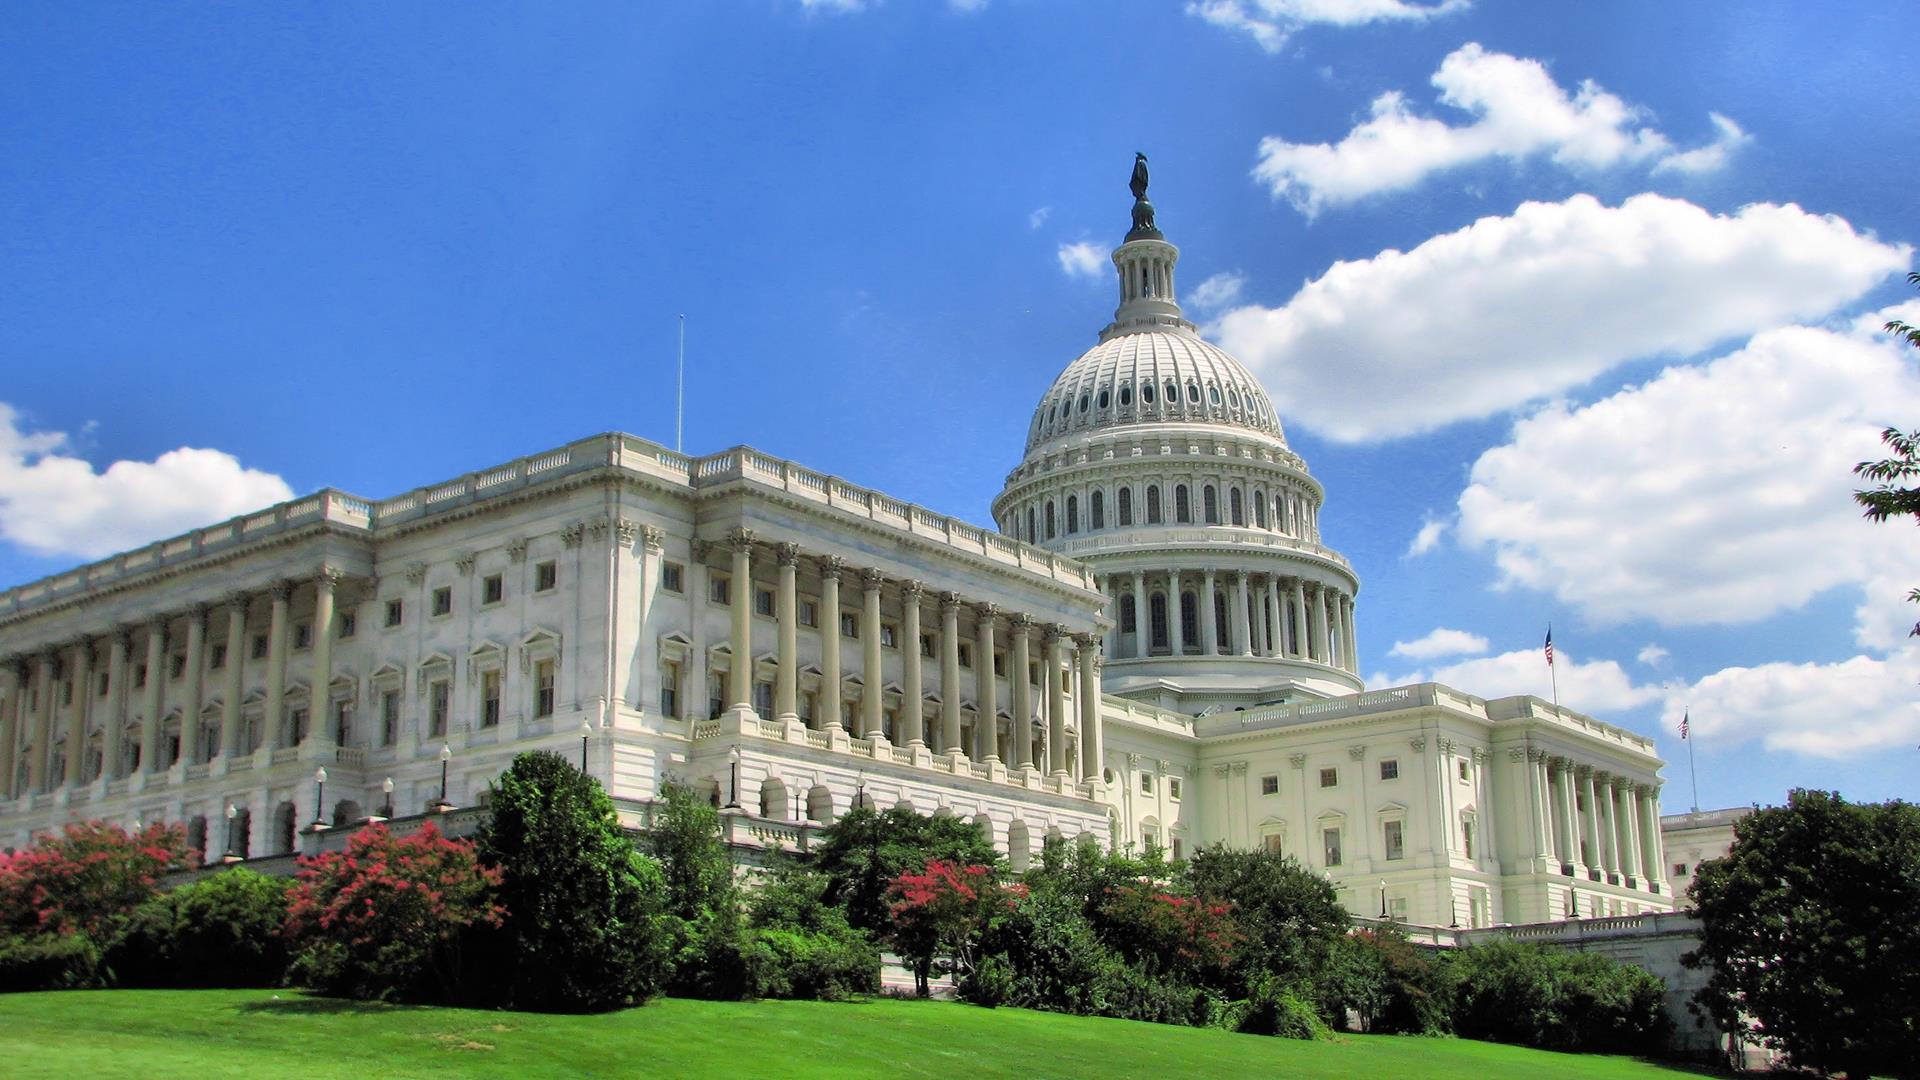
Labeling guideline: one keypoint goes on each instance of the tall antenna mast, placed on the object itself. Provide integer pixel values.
(680, 386)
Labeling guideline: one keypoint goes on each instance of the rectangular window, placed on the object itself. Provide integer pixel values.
(671, 577)
(1466, 837)
(439, 701)
(1146, 783)
(1275, 844)
(763, 698)
(139, 676)
(1329, 777)
(926, 646)
(1397, 908)
(1000, 664)
(543, 687)
(297, 721)
(763, 602)
(1679, 869)
(889, 636)
(1330, 846)
(302, 635)
(349, 625)
(259, 646)
(443, 600)
(669, 699)
(396, 609)
(389, 717)
(849, 624)
(493, 588)
(1396, 841)
(546, 575)
(489, 698)
(1270, 785)
(1390, 769)
(809, 613)
(719, 590)
(1177, 850)
(966, 655)
(716, 703)
(1173, 788)
(103, 680)
(1464, 776)
(176, 666)
(66, 692)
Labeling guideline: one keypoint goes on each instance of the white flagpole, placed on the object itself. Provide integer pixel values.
(1691, 772)
(1553, 669)
(680, 387)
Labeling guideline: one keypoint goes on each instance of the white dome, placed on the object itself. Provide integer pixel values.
(1126, 379)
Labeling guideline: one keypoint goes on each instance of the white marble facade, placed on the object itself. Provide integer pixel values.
(795, 643)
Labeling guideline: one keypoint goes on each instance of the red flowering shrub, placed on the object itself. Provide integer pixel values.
(1175, 934)
(88, 878)
(941, 912)
(384, 918)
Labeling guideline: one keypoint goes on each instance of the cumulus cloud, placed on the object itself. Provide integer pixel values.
(1833, 710)
(1711, 157)
(1709, 495)
(1595, 687)
(1440, 642)
(1217, 291)
(55, 503)
(1653, 655)
(1516, 309)
(1039, 217)
(1428, 538)
(1270, 22)
(1082, 260)
(1517, 112)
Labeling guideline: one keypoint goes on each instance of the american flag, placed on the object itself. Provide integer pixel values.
(1549, 646)
(1686, 721)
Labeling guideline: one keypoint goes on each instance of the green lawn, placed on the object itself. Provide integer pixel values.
(260, 1034)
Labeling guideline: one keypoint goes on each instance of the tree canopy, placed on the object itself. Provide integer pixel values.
(1895, 494)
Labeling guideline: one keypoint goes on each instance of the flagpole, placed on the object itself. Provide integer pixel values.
(680, 386)
(1691, 771)
(1553, 669)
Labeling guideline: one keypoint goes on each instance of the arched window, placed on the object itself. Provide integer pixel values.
(1220, 620)
(1157, 615)
(1237, 507)
(1098, 511)
(1106, 398)
(1125, 506)
(1260, 508)
(1146, 394)
(1126, 396)
(1213, 394)
(1210, 504)
(1031, 536)
(1129, 618)
(1189, 621)
(1153, 504)
(1173, 395)
(1233, 397)
(1073, 514)
(1193, 393)
(1086, 402)
(1182, 505)
(1049, 519)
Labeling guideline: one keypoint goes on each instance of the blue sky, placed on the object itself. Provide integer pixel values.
(1573, 308)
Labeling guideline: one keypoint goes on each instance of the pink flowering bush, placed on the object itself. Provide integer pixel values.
(385, 918)
(87, 879)
(940, 914)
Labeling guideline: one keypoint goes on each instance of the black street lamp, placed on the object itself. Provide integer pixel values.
(799, 805)
(319, 798)
(386, 786)
(586, 732)
(232, 812)
(733, 795)
(1383, 898)
(1573, 903)
(446, 755)
(1455, 924)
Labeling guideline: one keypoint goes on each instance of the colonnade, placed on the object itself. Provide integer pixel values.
(1063, 656)
(1268, 615)
(1595, 824)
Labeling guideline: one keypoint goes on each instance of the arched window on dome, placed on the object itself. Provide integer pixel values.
(1193, 393)
(1129, 618)
(1125, 498)
(1126, 396)
(1233, 398)
(1173, 395)
(1086, 402)
(1213, 394)
(1097, 510)
(1153, 504)
(1157, 616)
(1236, 507)
(1189, 622)
(1049, 519)
(1146, 393)
(1106, 398)
(1182, 505)
(1073, 514)
(1260, 508)
(1030, 534)
(1210, 505)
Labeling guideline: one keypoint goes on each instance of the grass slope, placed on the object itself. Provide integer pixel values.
(261, 1034)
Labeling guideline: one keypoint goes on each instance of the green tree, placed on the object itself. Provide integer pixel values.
(1290, 916)
(864, 851)
(582, 930)
(1811, 924)
(87, 878)
(712, 955)
(225, 930)
(1895, 494)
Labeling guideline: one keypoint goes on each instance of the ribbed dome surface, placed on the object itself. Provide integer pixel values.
(1148, 377)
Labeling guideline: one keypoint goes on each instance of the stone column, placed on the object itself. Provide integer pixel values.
(1089, 698)
(1257, 635)
(1317, 611)
(1353, 639)
(986, 731)
(1301, 631)
(231, 723)
(1652, 857)
(950, 674)
(1242, 632)
(1570, 808)
(1276, 616)
(1628, 816)
(1209, 629)
(1176, 632)
(1142, 618)
(1019, 682)
(1609, 826)
(42, 726)
(77, 712)
(786, 677)
(827, 710)
(873, 681)
(151, 701)
(276, 715)
(1336, 634)
(740, 675)
(1543, 800)
(11, 685)
(1056, 705)
(1565, 840)
(1590, 822)
(912, 690)
(320, 684)
(195, 682)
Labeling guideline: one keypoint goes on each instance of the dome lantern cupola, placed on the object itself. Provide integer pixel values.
(1145, 262)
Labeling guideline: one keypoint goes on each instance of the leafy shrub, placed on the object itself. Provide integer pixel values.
(1051, 952)
(47, 962)
(1290, 917)
(1188, 937)
(942, 912)
(1390, 984)
(1275, 1009)
(87, 879)
(1514, 992)
(224, 931)
(814, 966)
(385, 919)
(990, 984)
(866, 850)
(582, 929)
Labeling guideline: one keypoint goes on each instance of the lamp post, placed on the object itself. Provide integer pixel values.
(1455, 924)
(232, 812)
(386, 787)
(1573, 903)
(1383, 898)
(446, 755)
(799, 805)
(319, 797)
(586, 732)
(733, 792)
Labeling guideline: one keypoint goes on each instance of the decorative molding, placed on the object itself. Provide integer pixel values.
(699, 548)
(1357, 752)
(949, 603)
(1516, 755)
(281, 591)
(416, 573)
(911, 591)
(517, 549)
(1298, 761)
(464, 562)
(740, 540)
(1239, 768)
(786, 553)
(573, 534)
(871, 580)
(1419, 744)
(653, 536)
(831, 566)
(627, 530)
(329, 576)
(1222, 771)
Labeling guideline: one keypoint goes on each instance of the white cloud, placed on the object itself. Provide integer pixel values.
(1270, 22)
(1709, 495)
(1653, 655)
(967, 7)
(1518, 112)
(1428, 538)
(1711, 157)
(1217, 291)
(1440, 642)
(1039, 217)
(53, 503)
(1833, 710)
(835, 7)
(1515, 309)
(1597, 687)
(1083, 260)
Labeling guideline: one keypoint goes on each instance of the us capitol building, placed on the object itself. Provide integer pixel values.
(1155, 647)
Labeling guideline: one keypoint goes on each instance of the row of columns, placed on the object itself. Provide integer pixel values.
(1591, 821)
(1258, 609)
(36, 706)
(1054, 643)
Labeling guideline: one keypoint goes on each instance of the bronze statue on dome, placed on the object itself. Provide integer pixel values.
(1143, 227)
